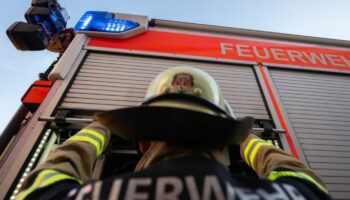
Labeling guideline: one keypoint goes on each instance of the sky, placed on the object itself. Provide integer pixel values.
(318, 18)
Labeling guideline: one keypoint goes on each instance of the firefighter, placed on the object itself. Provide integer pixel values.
(186, 162)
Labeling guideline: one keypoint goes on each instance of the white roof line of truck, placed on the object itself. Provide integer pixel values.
(249, 33)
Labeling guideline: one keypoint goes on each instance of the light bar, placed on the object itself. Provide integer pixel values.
(104, 22)
(32, 162)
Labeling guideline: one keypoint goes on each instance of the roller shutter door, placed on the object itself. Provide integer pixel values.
(318, 107)
(107, 81)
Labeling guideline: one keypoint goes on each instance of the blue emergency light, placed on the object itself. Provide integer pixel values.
(103, 22)
(52, 18)
(46, 27)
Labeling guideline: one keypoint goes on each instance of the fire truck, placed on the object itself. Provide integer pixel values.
(296, 87)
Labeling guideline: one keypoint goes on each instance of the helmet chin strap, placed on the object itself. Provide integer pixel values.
(229, 110)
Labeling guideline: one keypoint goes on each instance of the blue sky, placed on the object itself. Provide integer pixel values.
(320, 18)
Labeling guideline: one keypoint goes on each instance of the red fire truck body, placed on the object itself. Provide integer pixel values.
(296, 87)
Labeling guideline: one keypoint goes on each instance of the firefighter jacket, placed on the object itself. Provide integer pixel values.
(65, 175)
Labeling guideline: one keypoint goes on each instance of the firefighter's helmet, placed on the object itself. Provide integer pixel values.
(183, 105)
(186, 88)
